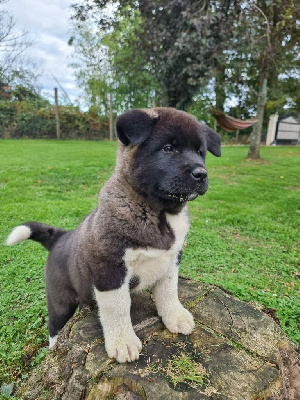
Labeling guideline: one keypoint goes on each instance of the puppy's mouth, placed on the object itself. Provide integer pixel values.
(182, 197)
(179, 197)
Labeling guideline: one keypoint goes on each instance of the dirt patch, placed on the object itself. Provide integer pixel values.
(256, 162)
(295, 188)
(292, 153)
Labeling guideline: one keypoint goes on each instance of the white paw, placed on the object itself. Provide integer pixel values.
(123, 347)
(179, 320)
(52, 341)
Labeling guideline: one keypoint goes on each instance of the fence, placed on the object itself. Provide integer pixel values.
(23, 119)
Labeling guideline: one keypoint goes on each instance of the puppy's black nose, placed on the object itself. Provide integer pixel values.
(199, 173)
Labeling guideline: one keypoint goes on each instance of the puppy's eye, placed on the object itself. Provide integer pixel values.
(201, 153)
(168, 148)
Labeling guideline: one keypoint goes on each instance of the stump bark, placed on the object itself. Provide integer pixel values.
(236, 352)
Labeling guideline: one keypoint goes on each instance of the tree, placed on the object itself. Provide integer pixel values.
(92, 68)
(186, 40)
(278, 29)
(135, 81)
(15, 67)
(179, 41)
(108, 63)
(243, 49)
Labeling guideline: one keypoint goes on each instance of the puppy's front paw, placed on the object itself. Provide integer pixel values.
(123, 347)
(179, 320)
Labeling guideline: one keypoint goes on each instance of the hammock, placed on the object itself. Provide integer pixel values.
(230, 124)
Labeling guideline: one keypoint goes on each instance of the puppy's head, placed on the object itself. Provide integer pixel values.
(162, 153)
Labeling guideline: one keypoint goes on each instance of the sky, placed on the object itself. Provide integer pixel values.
(49, 26)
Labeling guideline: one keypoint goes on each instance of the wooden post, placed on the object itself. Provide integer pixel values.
(57, 115)
(110, 117)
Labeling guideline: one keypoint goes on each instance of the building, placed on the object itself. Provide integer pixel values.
(283, 130)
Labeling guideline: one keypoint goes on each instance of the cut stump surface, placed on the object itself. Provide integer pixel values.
(236, 352)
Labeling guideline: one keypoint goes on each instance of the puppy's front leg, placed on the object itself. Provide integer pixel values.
(121, 341)
(175, 317)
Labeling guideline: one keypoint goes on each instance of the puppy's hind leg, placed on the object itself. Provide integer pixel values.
(59, 314)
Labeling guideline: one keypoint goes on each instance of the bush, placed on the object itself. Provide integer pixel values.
(35, 118)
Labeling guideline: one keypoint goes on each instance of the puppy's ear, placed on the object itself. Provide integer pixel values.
(213, 141)
(133, 127)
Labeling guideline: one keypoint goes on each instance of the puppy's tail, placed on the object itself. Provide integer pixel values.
(45, 234)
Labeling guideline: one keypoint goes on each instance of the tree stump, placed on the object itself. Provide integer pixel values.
(236, 352)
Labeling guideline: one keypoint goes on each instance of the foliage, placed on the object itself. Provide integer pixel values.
(6, 390)
(108, 64)
(136, 85)
(277, 44)
(92, 68)
(179, 42)
(190, 47)
(187, 40)
(26, 114)
(244, 231)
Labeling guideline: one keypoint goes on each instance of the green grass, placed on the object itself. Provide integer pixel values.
(180, 370)
(244, 232)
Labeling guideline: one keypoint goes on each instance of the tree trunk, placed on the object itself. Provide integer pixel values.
(220, 88)
(236, 351)
(255, 137)
(111, 128)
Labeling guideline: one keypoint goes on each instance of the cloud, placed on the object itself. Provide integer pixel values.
(49, 17)
(48, 24)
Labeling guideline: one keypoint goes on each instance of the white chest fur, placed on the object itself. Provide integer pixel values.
(152, 264)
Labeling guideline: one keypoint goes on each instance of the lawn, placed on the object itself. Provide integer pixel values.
(244, 232)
